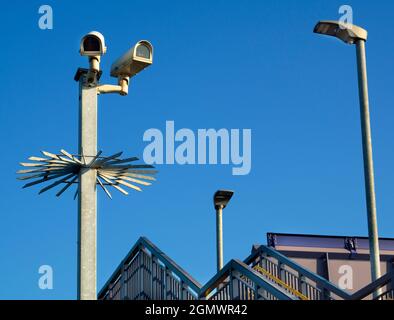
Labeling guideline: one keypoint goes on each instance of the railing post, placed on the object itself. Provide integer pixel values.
(262, 294)
(149, 275)
(263, 261)
(280, 271)
(235, 292)
(168, 285)
(163, 286)
(326, 294)
(110, 291)
(184, 291)
(256, 292)
(123, 283)
(140, 273)
(390, 286)
(154, 278)
(230, 278)
(302, 285)
(264, 264)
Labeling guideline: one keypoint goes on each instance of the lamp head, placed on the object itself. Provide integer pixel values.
(348, 33)
(221, 198)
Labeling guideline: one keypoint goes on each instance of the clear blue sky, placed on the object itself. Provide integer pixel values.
(218, 64)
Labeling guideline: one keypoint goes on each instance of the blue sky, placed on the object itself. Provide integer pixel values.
(217, 64)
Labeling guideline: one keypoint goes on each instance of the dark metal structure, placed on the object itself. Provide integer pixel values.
(335, 257)
(147, 273)
(266, 274)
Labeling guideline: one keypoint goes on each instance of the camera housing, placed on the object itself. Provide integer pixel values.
(93, 44)
(133, 61)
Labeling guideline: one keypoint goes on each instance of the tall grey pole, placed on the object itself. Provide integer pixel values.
(219, 237)
(368, 161)
(87, 197)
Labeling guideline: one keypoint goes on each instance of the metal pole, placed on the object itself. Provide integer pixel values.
(219, 237)
(368, 161)
(87, 197)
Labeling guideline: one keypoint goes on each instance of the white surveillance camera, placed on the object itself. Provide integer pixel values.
(133, 61)
(93, 44)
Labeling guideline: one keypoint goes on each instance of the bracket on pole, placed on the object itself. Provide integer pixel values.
(271, 240)
(351, 245)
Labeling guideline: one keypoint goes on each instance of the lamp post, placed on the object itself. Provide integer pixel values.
(87, 198)
(220, 200)
(352, 34)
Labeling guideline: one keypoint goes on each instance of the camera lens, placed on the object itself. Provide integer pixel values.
(143, 51)
(91, 44)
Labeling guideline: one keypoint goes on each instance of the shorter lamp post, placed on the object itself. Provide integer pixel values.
(220, 200)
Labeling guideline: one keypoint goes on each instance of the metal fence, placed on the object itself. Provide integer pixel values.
(148, 274)
(292, 277)
(388, 295)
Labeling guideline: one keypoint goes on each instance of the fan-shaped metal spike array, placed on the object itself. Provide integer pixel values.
(111, 171)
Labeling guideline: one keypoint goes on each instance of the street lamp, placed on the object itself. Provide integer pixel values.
(352, 34)
(220, 200)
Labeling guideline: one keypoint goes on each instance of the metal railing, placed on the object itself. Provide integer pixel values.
(370, 289)
(237, 281)
(388, 295)
(147, 274)
(292, 277)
